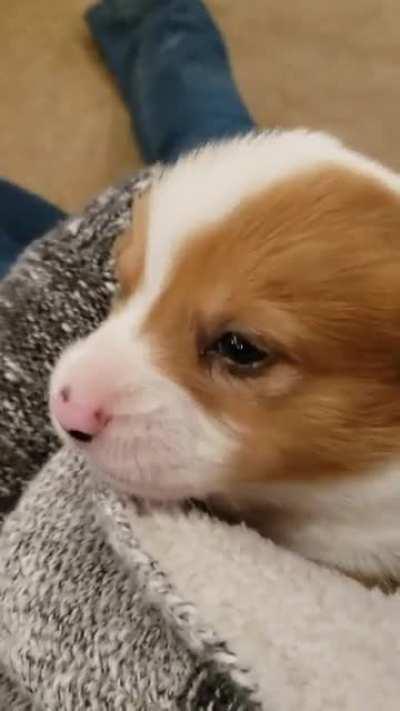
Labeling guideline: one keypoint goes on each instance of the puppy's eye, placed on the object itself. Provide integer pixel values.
(238, 350)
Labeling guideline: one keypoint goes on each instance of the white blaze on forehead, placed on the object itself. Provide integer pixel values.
(205, 186)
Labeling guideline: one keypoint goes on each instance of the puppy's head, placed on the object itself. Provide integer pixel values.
(256, 337)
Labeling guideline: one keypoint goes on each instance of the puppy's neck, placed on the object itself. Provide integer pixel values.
(352, 524)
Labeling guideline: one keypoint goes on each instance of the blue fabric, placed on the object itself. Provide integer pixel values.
(172, 69)
(23, 217)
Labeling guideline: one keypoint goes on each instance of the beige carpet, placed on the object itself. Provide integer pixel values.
(64, 131)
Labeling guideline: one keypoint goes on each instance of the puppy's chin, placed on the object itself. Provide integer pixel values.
(160, 460)
(152, 493)
(141, 476)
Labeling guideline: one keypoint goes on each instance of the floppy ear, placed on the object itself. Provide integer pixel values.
(130, 248)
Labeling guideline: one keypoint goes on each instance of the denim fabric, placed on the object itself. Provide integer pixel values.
(172, 69)
(23, 216)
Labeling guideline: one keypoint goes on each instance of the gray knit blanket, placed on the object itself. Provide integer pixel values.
(108, 604)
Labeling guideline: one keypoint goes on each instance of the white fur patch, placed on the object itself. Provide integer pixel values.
(350, 523)
(206, 185)
(159, 443)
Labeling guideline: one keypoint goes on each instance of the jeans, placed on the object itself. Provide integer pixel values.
(172, 69)
(173, 72)
(23, 216)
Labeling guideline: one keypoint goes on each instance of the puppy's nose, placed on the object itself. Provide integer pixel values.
(82, 419)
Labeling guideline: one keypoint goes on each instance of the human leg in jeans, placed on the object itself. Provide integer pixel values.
(23, 217)
(172, 68)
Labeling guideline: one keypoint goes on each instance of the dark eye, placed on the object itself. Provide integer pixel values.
(238, 350)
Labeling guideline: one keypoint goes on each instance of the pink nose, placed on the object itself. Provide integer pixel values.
(81, 419)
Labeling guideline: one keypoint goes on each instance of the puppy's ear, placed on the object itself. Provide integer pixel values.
(130, 248)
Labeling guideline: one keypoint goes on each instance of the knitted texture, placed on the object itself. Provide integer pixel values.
(87, 619)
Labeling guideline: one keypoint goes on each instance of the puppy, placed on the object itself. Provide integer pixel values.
(252, 359)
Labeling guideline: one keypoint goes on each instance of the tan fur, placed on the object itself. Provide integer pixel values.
(130, 249)
(311, 268)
